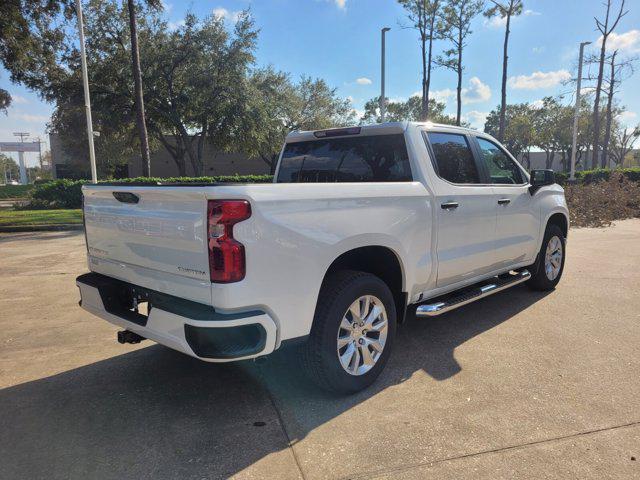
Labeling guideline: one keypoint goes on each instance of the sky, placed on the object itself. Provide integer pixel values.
(339, 41)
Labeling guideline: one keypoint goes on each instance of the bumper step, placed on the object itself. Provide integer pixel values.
(467, 295)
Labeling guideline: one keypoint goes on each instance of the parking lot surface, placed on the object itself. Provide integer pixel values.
(519, 385)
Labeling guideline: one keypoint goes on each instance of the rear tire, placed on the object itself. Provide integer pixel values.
(353, 331)
(550, 262)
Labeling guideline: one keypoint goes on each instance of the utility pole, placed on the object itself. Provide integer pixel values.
(87, 98)
(23, 168)
(576, 115)
(383, 100)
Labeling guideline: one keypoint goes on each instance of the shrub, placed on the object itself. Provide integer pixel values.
(599, 175)
(600, 202)
(14, 191)
(68, 193)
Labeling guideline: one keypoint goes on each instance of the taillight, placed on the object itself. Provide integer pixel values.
(226, 255)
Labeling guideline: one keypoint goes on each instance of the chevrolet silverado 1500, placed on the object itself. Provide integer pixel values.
(360, 224)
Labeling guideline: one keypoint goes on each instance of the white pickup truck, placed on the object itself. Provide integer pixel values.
(360, 224)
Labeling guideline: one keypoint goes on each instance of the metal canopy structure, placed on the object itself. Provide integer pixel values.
(21, 147)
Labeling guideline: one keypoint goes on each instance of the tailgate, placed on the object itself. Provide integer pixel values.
(153, 236)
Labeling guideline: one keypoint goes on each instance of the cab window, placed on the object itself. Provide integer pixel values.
(502, 170)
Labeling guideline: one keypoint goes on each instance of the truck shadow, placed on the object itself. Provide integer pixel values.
(154, 413)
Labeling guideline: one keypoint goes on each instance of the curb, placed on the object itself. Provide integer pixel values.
(41, 228)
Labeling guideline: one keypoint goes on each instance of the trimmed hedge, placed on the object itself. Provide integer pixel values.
(68, 193)
(587, 177)
(14, 191)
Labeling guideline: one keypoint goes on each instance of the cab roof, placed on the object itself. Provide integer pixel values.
(373, 129)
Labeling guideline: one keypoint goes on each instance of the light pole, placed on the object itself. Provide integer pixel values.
(383, 101)
(87, 98)
(576, 115)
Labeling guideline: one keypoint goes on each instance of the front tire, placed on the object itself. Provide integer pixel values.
(550, 262)
(352, 334)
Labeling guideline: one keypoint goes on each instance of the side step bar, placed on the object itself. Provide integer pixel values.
(468, 295)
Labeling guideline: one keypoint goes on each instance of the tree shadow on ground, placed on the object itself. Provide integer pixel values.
(155, 413)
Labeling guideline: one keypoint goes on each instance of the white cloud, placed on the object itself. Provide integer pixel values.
(175, 25)
(531, 13)
(27, 117)
(441, 95)
(363, 81)
(475, 118)
(539, 80)
(495, 22)
(341, 4)
(628, 118)
(537, 49)
(227, 15)
(628, 42)
(18, 100)
(537, 103)
(476, 92)
(167, 7)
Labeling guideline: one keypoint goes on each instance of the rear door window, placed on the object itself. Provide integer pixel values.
(453, 157)
(378, 158)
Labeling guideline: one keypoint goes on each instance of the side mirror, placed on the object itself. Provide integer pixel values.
(541, 178)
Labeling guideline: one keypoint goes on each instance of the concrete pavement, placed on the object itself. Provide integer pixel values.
(519, 385)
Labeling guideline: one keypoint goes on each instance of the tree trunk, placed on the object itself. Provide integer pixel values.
(505, 62)
(139, 99)
(549, 160)
(607, 131)
(459, 87)
(424, 113)
(596, 103)
(429, 60)
(176, 152)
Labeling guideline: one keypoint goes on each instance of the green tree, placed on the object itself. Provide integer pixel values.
(275, 106)
(423, 16)
(32, 43)
(622, 141)
(455, 26)
(194, 79)
(137, 81)
(504, 9)
(9, 168)
(519, 133)
(409, 110)
(110, 77)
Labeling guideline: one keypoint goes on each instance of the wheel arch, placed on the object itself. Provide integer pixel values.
(380, 261)
(561, 220)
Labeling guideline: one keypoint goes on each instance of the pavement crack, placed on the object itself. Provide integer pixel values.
(283, 427)
(407, 467)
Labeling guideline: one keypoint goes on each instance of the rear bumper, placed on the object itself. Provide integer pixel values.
(189, 327)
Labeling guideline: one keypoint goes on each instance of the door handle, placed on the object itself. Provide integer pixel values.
(449, 205)
(504, 201)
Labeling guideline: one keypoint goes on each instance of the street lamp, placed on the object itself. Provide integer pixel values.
(576, 114)
(87, 98)
(383, 102)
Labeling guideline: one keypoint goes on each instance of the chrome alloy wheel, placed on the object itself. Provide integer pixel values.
(362, 335)
(553, 258)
